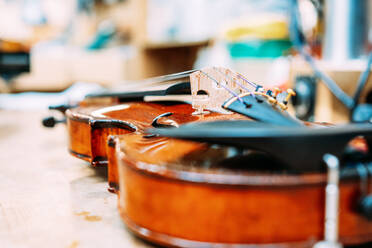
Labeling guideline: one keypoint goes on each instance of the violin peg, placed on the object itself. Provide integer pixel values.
(290, 93)
(276, 91)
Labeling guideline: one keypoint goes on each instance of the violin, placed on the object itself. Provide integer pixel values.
(188, 194)
(104, 115)
(90, 127)
(225, 168)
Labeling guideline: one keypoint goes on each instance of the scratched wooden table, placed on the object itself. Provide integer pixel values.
(47, 197)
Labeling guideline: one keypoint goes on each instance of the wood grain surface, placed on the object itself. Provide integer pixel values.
(49, 198)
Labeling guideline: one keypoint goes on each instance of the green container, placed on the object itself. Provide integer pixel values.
(259, 48)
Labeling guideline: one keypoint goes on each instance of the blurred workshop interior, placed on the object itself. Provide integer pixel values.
(55, 53)
(50, 45)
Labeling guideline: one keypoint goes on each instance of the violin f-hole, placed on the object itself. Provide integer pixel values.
(155, 123)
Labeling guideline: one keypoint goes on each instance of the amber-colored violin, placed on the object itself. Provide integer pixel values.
(186, 194)
(224, 179)
(101, 116)
(90, 127)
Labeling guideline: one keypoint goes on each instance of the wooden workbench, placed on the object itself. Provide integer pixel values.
(49, 198)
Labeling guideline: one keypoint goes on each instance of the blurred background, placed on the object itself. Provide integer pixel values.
(51, 45)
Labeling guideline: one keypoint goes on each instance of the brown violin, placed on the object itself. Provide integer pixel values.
(90, 127)
(101, 116)
(222, 179)
(185, 194)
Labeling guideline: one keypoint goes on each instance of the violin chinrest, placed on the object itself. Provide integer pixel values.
(303, 149)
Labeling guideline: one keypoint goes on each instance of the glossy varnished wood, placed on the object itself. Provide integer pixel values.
(90, 125)
(168, 203)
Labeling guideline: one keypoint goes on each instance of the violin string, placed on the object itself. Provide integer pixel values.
(223, 86)
(235, 81)
(246, 80)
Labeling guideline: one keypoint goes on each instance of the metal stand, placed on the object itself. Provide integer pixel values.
(331, 207)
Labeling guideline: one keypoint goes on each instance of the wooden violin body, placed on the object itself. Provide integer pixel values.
(90, 126)
(189, 194)
(98, 118)
(172, 194)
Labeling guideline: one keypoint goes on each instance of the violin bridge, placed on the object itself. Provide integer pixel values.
(212, 86)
